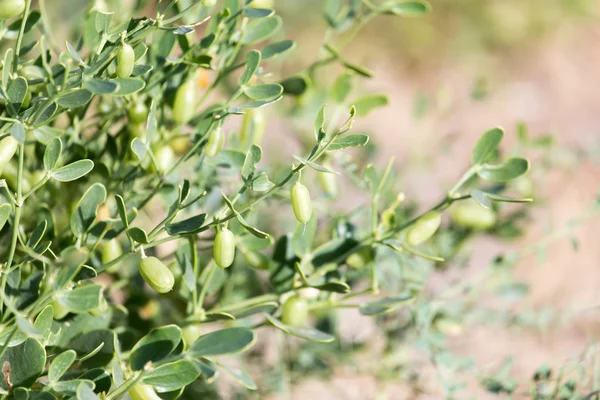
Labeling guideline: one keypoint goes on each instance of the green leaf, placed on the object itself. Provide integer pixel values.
(405, 8)
(188, 226)
(341, 87)
(98, 345)
(311, 334)
(122, 210)
(486, 146)
(251, 12)
(127, 86)
(152, 123)
(139, 148)
(224, 341)
(261, 183)
(16, 92)
(261, 29)
(251, 242)
(60, 365)
(264, 92)
(52, 154)
(26, 363)
(100, 86)
(511, 169)
(358, 69)
(295, 85)
(240, 376)
(69, 387)
(319, 121)
(43, 321)
(13, 29)
(344, 142)
(314, 166)
(44, 134)
(277, 48)
(155, 346)
(334, 286)
(172, 376)
(75, 98)
(303, 237)
(252, 63)
(73, 171)
(385, 305)
(138, 234)
(253, 157)
(505, 199)
(85, 213)
(37, 234)
(73, 53)
(416, 252)
(256, 232)
(18, 132)
(267, 307)
(5, 210)
(81, 299)
(84, 392)
(481, 198)
(366, 104)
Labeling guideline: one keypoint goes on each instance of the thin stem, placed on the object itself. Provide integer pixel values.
(212, 267)
(194, 251)
(20, 37)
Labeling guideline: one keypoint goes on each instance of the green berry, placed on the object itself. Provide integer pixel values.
(156, 274)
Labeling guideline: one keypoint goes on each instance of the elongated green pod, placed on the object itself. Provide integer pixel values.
(184, 104)
(125, 61)
(295, 311)
(424, 228)
(216, 139)
(156, 274)
(224, 248)
(301, 202)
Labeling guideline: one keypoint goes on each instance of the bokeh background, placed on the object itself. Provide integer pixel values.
(466, 67)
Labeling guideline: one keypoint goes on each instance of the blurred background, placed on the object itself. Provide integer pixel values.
(528, 66)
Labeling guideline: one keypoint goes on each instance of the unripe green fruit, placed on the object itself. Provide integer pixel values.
(165, 158)
(360, 258)
(8, 148)
(111, 251)
(11, 8)
(224, 249)
(253, 127)
(191, 333)
(11, 173)
(125, 61)
(184, 105)
(137, 113)
(471, 215)
(209, 3)
(295, 311)
(143, 392)
(58, 310)
(156, 274)
(180, 144)
(329, 184)
(256, 260)
(301, 202)
(424, 228)
(215, 142)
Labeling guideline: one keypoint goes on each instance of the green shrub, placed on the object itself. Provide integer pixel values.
(123, 141)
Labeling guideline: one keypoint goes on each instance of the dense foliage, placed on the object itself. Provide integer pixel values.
(143, 237)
